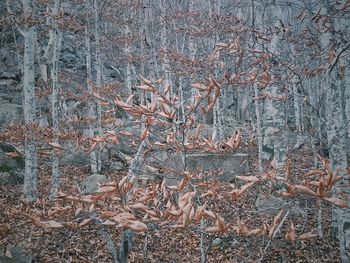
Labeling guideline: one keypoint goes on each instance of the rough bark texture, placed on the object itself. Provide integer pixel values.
(92, 105)
(57, 38)
(30, 177)
(337, 142)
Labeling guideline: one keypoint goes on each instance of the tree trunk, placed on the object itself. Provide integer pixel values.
(57, 38)
(164, 46)
(98, 127)
(336, 139)
(275, 115)
(30, 176)
(134, 170)
(92, 111)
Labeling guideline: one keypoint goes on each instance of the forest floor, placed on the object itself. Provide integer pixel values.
(164, 244)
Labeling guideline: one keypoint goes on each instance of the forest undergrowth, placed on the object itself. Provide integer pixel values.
(82, 240)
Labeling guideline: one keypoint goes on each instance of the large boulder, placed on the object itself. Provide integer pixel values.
(91, 183)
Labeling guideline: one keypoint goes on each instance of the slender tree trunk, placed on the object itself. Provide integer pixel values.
(191, 39)
(127, 33)
(142, 36)
(30, 176)
(98, 83)
(134, 170)
(217, 111)
(338, 161)
(314, 115)
(56, 35)
(336, 139)
(275, 115)
(92, 111)
(164, 46)
(297, 111)
(256, 101)
(347, 109)
(149, 42)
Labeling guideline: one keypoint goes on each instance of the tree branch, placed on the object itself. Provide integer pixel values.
(337, 58)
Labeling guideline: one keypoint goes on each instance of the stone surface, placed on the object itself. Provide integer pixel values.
(216, 242)
(17, 254)
(75, 157)
(117, 166)
(227, 163)
(91, 183)
(10, 112)
(272, 205)
(5, 160)
(207, 130)
(13, 178)
(211, 165)
(11, 169)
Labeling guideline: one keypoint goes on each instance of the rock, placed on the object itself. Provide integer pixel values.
(229, 164)
(117, 166)
(272, 205)
(12, 163)
(13, 178)
(234, 243)
(17, 254)
(347, 238)
(207, 129)
(91, 184)
(217, 242)
(78, 157)
(11, 168)
(212, 165)
(10, 112)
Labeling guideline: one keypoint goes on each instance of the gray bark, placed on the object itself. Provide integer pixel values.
(336, 140)
(135, 169)
(57, 38)
(274, 140)
(92, 111)
(165, 67)
(30, 177)
(98, 84)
